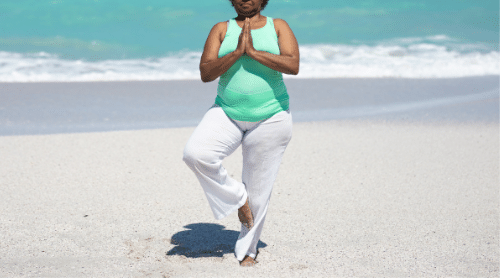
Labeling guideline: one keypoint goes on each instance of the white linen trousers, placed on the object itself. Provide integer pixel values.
(263, 144)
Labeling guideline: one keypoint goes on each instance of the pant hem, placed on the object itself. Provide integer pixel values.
(233, 209)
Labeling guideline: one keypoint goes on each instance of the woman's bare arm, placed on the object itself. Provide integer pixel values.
(288, 60)
(211, 66)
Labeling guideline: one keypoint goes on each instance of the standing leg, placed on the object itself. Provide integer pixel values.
(263, 147)
(215, 138)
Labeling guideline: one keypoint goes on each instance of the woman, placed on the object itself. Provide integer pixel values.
(249, 53)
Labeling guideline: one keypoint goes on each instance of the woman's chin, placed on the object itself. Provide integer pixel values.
(247, 12)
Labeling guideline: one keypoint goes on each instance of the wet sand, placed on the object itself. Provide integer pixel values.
(48, 108)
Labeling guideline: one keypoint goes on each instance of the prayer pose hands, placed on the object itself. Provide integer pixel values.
(245, 42)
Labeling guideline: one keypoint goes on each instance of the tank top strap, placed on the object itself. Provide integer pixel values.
(232, 26)
(272, 30)
(270, 21)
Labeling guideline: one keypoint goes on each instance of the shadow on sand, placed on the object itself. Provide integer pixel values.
(205, 240)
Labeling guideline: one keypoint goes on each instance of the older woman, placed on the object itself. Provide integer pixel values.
(249, 53)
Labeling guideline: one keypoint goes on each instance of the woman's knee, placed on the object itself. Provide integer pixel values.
(193, 155)
(190, 155)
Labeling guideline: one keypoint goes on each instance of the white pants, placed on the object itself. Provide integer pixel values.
(263, 144)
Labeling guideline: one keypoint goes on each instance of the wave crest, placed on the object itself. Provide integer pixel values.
(429, 57)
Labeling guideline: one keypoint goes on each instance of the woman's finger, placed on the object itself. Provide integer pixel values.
(249, 29)
(246, 25)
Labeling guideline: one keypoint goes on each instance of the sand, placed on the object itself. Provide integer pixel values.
(353, 198)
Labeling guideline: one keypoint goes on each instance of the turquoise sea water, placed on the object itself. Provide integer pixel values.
(80, 40)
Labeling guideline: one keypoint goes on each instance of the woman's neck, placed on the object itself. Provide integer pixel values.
(253, 18)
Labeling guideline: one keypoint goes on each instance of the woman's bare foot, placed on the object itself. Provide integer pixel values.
(245, 216)
(248, 261)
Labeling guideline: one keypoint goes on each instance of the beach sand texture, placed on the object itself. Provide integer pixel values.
(353, 198)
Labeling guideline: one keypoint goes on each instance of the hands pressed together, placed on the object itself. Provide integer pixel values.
(245, 42)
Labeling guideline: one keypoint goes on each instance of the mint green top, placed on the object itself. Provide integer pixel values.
(250, 91)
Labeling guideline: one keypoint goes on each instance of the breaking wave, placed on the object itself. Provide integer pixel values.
(427, 57)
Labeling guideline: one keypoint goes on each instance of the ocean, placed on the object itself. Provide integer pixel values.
(110, 40)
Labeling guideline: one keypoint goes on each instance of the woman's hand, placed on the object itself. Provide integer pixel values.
(241, 47)
(245, 43)
(249, 41)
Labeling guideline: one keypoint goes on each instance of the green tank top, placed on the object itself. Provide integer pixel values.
(250, 91)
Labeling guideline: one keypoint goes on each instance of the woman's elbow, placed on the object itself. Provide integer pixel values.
(294, 65)
(294, 70)
(205, 76)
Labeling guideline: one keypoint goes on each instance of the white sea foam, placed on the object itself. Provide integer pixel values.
(428, 57)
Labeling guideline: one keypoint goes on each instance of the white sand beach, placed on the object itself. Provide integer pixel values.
(353, 198)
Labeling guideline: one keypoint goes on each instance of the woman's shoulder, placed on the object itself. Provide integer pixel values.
(220, 29)
(280, 25)
(220, 26)
(278, 22)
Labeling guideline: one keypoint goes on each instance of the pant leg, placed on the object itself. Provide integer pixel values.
(263, 148)
(215, 138)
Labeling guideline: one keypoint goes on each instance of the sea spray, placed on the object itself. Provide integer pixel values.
(424, 57)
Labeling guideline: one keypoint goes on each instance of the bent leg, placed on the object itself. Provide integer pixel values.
(215, 138)
(263, 148)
